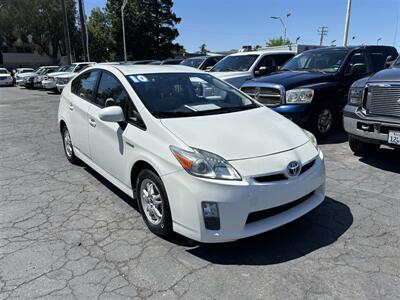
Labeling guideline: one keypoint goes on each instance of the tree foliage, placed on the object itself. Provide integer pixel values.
(203, 49)
(280, 41)
(149, 26)
(36, 24)
(100, 40)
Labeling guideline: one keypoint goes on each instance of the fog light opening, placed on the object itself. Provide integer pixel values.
(211, 215)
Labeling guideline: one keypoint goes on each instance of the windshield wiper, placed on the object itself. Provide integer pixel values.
(180, 114)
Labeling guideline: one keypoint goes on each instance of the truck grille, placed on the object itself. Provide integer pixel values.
(265, 95)
(384, 100)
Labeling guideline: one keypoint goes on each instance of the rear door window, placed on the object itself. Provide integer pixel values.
(85, 84)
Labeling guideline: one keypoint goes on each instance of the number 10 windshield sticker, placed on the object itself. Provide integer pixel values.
(139, 78)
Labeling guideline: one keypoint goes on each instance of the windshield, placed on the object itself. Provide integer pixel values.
(192, 62)
(235, 63)
(326, 61)
(69, 68)
(173, 95)
(3, 72)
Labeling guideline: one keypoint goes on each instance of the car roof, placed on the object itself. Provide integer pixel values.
(263, 52)
(148, 69)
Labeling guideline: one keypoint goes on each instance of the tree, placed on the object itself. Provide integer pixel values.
(203, 49)
(100, 41)
(278, 42)
(149, 25)
(38, 24)
(257, 47)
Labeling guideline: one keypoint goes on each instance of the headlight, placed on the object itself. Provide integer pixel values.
(312, 138)
(299, 96)
(355, 96)
(205, 164)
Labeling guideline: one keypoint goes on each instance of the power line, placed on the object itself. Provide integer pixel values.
(323, 31)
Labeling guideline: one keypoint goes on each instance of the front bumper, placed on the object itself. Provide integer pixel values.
(298, 113)
(374, 129)
(238, 199)
(20, 82)
(49, 85)
(6, 82)
(60, 87)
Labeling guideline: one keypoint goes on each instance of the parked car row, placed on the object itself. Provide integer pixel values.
(310, 88)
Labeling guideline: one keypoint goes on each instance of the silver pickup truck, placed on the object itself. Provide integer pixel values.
(372, 113)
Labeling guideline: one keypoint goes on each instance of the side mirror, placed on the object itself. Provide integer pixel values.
(262, 71)
(112, 114)
(208, 68)
(358, 69)
(110, 102)
(389, 60)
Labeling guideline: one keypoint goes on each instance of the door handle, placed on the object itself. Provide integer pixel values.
(71, 107)
(92, 122)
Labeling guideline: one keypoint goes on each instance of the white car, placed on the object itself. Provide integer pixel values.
(5, 78)
(49, 81)
(202, 158)
(240, 67)
(62, 80)
(21, 73)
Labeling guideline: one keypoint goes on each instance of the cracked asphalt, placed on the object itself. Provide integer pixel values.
(65, 233)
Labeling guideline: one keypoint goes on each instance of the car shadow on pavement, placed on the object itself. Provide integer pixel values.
(319, 228)
(384, 158)
(338, 136)
(129, 200)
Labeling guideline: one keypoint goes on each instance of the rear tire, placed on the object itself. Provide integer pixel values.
(361, 148)
(153, 203)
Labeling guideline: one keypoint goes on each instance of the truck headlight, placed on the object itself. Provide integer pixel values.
(299, 96)
(205, 164)
(355, 96)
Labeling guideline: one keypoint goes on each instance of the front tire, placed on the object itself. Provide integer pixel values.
(153, 203)
(68, 147)
(362, 148)
(322, 120)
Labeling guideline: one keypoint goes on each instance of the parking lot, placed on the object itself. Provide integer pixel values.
(67, 233)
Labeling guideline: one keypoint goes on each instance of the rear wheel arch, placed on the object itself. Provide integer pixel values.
(62, 124)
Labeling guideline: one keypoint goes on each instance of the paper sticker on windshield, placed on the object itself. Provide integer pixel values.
(139, 78)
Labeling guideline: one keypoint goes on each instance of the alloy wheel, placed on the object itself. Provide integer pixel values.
(68, 144)
(151, 201)
(325, 120)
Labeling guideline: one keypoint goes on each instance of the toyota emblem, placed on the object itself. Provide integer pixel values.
(293, 169)
(398, 101)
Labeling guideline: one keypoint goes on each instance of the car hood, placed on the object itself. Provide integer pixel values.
(23, 75)
(225, 75)
(292, 79)
(5, 75)
(392, 74)
(56, 74)
(66, 75)
(239, 135)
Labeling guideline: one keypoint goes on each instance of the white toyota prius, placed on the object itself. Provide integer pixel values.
(201, 158)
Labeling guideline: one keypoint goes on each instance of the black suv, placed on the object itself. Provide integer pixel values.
(311, 89)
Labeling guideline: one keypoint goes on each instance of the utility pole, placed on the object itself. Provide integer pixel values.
(323, 31)
(83, 30)
(123, 28)
(66, 32)
(347, 24)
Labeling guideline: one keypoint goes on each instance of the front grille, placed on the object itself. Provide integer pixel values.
(267, 213)
(265, 95)
(281, 176)
(384, 100)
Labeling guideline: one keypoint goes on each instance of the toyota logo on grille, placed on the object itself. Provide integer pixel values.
(293, 168)
(257, 93)
(398, 101)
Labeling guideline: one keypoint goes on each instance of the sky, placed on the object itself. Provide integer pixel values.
(229, 24)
